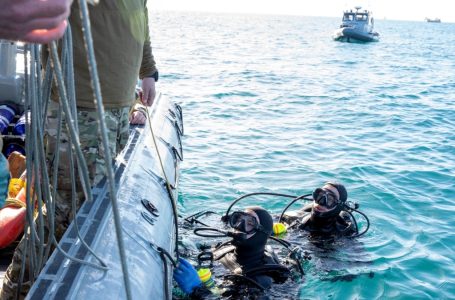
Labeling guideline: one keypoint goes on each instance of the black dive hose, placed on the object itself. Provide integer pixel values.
(219, 233)
(226, 216)
(292, 202)
(355, 221)
(366, 219)
(194, 217)
(287, 245)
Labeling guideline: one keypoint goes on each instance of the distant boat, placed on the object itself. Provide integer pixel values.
(435, 20)
(356, 26)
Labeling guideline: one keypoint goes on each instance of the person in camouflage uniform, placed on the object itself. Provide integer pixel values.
(117, 125)
(122, 49)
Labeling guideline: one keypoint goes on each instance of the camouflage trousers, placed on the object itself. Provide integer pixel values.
(90, 142)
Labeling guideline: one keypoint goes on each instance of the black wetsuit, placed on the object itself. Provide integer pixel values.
(199, 293)
(248, 273)
(248, 260)
(336, 226)
(263, 269)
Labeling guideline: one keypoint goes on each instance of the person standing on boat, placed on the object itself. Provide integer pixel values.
(123, 52)
(246, 256)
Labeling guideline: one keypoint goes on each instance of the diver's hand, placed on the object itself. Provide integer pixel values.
(186, 276)
(33, 21)
(148, 91)
(137, 118)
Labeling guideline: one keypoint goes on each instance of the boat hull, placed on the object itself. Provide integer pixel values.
(353, 35)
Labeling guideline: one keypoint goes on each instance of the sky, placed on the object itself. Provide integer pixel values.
(390, 9)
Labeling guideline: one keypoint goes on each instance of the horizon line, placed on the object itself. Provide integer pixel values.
(383, 18)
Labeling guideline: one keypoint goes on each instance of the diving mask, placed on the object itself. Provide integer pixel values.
(244, 222)
(325, 198)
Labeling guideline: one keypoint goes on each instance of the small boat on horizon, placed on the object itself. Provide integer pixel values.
(356, 26)
(435, 20)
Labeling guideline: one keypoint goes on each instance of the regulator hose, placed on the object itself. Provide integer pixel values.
(226, 216)
(305, 197)
(219, 233)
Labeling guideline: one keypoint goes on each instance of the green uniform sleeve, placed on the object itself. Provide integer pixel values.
(148, 66)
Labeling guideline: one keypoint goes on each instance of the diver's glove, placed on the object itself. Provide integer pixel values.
(186, 276)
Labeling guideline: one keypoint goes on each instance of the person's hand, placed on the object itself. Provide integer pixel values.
(148, 91)
(186, 276)
(138, 118)
(33, 21)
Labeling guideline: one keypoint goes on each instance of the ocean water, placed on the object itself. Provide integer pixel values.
(272, 104)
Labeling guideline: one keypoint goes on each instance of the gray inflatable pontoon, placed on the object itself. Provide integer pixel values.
(139, 178)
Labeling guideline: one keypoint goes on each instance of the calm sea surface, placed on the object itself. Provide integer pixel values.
(272, 104)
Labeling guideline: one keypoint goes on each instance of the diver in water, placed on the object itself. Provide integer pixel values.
(326, 217)
(329, 222)
(247, 257)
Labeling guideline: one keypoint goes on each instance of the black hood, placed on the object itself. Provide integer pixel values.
(341, 190)
(250, 252)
